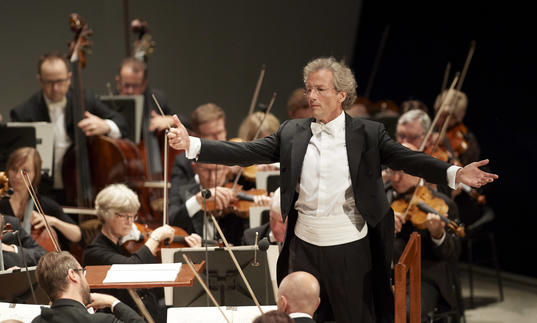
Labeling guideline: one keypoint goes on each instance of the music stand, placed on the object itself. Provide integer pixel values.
(16, 287)
(43, 140)
(131, 107)
(267, 180)
(225, 281)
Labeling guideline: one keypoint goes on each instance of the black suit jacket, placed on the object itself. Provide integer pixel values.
(68, 310)
(35, 109)
(32, 251)
(183, 187)
(368, 147)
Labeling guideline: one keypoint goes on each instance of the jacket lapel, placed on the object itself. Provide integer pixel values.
(299, 145)
(355, 143)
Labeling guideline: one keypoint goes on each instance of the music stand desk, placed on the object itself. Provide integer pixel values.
(96, 274)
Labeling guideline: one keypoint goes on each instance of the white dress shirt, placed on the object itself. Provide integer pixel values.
(56, 111)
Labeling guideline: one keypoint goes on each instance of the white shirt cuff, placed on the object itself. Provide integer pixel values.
(114, 129)
(195, 147)
(439, 241)
(16, 248)
(192, 206)
(452, 175)
(117, 301)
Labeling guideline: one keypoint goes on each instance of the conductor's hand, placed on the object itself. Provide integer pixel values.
(99, 301)
(178, 137)
(92, 125)
(473, 176)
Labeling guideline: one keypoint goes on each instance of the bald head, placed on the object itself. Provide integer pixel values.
(299, 292)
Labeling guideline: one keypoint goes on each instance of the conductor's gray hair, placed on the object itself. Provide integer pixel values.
(344, 80)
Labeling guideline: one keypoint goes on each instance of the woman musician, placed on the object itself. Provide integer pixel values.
(21, 206)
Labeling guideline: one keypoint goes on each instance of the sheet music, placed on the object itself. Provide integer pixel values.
(22, 312)
(235, 314)
(142, 273)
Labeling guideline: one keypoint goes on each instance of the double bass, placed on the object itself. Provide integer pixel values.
(93, 162)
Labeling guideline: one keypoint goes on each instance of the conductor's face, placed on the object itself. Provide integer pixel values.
(55, 79)
(324, 100)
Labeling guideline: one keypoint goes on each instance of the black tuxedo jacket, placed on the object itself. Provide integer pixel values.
(35, 109)
(68, 310)
(368, 147)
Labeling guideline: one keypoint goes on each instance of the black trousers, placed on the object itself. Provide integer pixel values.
(344, 274)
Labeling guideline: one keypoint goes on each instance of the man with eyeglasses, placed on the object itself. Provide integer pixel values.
(64, 281)
(340, 226)
(53, 103)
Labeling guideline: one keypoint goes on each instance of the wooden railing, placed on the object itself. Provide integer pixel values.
(410, 261)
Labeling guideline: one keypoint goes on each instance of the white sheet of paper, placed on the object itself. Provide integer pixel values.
(142, 273)
(236, 314)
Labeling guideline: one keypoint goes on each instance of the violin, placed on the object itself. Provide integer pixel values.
(239, 206)
(423, 202)
(132, 246)
(457, 138)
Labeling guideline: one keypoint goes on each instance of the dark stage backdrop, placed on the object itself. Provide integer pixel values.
(205, 50)
(500, 85)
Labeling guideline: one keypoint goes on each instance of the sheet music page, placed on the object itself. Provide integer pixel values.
(22, 312)
(235, 314)
(142, 273)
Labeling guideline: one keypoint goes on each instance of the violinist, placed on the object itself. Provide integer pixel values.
(21, 206)
(440, 248)
(274, 230)
(186, 204)
(462, 141)
(54, 103)
(117, 208)
(11, 253)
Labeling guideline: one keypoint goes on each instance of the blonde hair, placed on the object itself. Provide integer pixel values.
(457, 106)
(116, 198)
(205, 113)
(249, 126)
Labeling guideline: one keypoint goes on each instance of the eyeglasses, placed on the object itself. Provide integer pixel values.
(127, 217)
(83, 270)
(318, 90)
(51, 83)
(408, 137)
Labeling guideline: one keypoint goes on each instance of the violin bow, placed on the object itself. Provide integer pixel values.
(271, 103)
(189, 262)
(466, 64)
(33, 195)
(257, 88)
(165, 171)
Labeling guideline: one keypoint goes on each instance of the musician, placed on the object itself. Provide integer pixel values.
(186, 204)
(298, 296)
(440, 248)
(274, 316)
(64, 281)
(251, 125)
(339, 219)
(208, 121)
(274, 230)
(21, 205)
(413, 105)
(11, 250)
(457, 107)
(297, 105)
(53, 103)
(117, 206)
(412, 127)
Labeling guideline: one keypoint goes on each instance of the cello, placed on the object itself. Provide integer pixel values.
(93, 162)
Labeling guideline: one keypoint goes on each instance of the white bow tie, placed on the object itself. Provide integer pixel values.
(319, 127)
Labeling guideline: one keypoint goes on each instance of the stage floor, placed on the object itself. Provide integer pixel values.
(520, 297)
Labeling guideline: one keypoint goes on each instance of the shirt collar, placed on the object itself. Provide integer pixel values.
(335, 125)
(53, 106)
